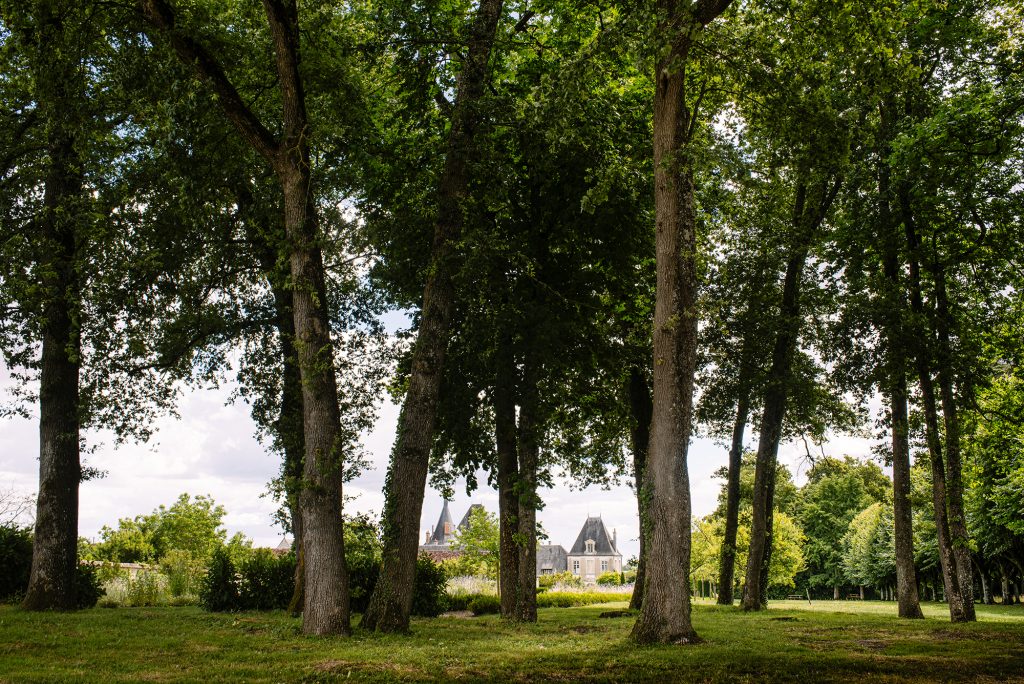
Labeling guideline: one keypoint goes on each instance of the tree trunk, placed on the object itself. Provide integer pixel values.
(267, 237)
(665, 614)
(391, 600)
(508, 478)
(640, 409)
(727, 563)
(896, 392)
(808, 213)
(950, 579)
(326, 606)
(60, 98)
(55, 544)
(959, 537)
(529, 456)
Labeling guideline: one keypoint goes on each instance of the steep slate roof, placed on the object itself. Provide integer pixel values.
(439, 538)
(552, 557)
(594, 529)
(464, 523)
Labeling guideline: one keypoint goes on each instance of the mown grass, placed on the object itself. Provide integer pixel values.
(792, 642)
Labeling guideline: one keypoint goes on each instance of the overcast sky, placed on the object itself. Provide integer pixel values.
(211, 450)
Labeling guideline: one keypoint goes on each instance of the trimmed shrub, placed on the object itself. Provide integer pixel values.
(609, 579)
(219, 590)
(459, 602)
(265, 581)
(428, 591)
(484, 604)
(559, 599)
(15, 562)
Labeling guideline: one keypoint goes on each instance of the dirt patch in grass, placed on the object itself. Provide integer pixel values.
(873, 644)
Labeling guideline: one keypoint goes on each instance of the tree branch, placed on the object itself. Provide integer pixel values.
(160, 15)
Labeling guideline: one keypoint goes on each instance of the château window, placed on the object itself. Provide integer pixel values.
(575, 567)
(590, 546)
(604, 566)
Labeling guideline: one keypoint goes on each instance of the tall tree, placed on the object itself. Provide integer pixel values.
(407, 474)
(57, 41)
(326, 606)
(665, 615)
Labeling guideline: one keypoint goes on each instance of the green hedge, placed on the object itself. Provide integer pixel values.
(564, 599)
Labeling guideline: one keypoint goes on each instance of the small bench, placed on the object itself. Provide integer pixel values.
(794, 597)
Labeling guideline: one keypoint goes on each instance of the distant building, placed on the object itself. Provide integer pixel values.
(438, 542)
(551, 559)
(594, 552)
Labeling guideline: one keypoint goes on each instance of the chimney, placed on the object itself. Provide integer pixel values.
(427, 540)
(615, 539)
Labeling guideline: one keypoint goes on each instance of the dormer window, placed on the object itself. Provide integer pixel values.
(447, 528)
(590, 546)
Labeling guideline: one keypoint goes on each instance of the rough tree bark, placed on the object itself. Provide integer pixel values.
(809, 211)
(640, 408)
(391, 600)
(727, 562)
(267, 236)
(529, 457)
(507, 478)
(959, 536)
(55, 548)
(665, 615)
(326, 605)
(895, 390)
(922, 356)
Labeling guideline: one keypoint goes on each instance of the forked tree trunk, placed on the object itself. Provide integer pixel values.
(727, 562)
(391, 600)
(895, 389)
(922, 354)
(267, 237)
(959, 537)
(809, 211)
(640, 409)
(326, 606)
(55, 544)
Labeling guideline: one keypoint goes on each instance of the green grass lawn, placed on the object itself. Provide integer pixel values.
(830, 641)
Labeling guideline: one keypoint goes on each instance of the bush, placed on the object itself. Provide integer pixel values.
(266, 582)
(484, 604)
(560, 599)
(428, 590)
(15, 562)
(363, 558)
(609, 579)
(219, 590)
(144, 589)
(564, 578)
(459, 602)
(183, 570)
(87, 587)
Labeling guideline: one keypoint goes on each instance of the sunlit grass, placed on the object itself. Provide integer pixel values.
(826, 641)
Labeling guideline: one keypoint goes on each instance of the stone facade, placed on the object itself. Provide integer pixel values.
(594, 552)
